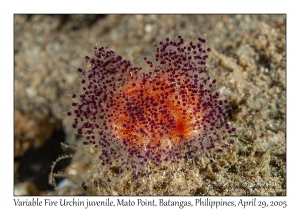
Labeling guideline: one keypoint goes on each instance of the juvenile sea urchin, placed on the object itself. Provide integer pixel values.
(142, 119)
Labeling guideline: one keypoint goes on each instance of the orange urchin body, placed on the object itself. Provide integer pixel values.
(142, 119)
(152, 114)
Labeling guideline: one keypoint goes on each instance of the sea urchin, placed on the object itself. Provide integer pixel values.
(141, 119)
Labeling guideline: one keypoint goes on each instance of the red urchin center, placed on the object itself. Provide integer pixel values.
(151, 113)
